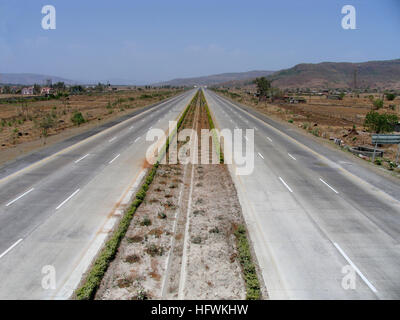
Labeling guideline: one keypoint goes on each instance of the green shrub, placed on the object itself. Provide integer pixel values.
(390, 96)
(378, 104)
(77, 118)
(253, 291)
(380, 123)
(146, 222)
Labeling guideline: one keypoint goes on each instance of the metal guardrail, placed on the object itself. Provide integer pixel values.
(386, 139)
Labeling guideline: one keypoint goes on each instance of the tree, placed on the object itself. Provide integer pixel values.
(390, 96)
(6, 89)
(263, 87)
(100, 87)
(46, 123)
(78, 118)
(59, 86)
(380, 123)
(77, 89)
(36, 89)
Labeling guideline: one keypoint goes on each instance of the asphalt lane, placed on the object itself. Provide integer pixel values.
(310, 217)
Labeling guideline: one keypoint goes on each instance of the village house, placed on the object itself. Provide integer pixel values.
(27, 91)
(46, 91)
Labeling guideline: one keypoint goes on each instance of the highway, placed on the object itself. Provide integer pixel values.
(58, 205)
(311, 211)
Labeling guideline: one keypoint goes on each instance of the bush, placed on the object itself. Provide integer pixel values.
(390, 96)
(146, 222)
(162, 215)
(378, 104)
(78, 119)
(380, 123)
(154, 250)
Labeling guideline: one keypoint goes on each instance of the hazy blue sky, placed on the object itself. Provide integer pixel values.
(146, 41)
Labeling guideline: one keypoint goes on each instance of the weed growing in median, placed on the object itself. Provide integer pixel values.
(250, 275)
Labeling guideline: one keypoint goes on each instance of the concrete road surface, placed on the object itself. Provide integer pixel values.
(317, 218)
(58, 205)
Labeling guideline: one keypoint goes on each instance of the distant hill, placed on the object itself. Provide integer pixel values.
(215, 79)
(31, 78)
(372, 74)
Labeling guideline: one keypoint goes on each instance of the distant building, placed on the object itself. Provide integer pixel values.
(46, 91)
(27, 91)
(296, 100)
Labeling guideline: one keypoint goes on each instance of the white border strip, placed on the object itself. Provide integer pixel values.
(10, 248)
(285, 184)
(328, 185)
(16, 199)
(62, 203)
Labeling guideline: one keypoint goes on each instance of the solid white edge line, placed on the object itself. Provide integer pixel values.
(114, 159)
(62, 203)
(10, 248)
(369, 284)
(19, 197)
(82, 158)
(291, 156)
(285, 184)
(260, 155)
(328, 186)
